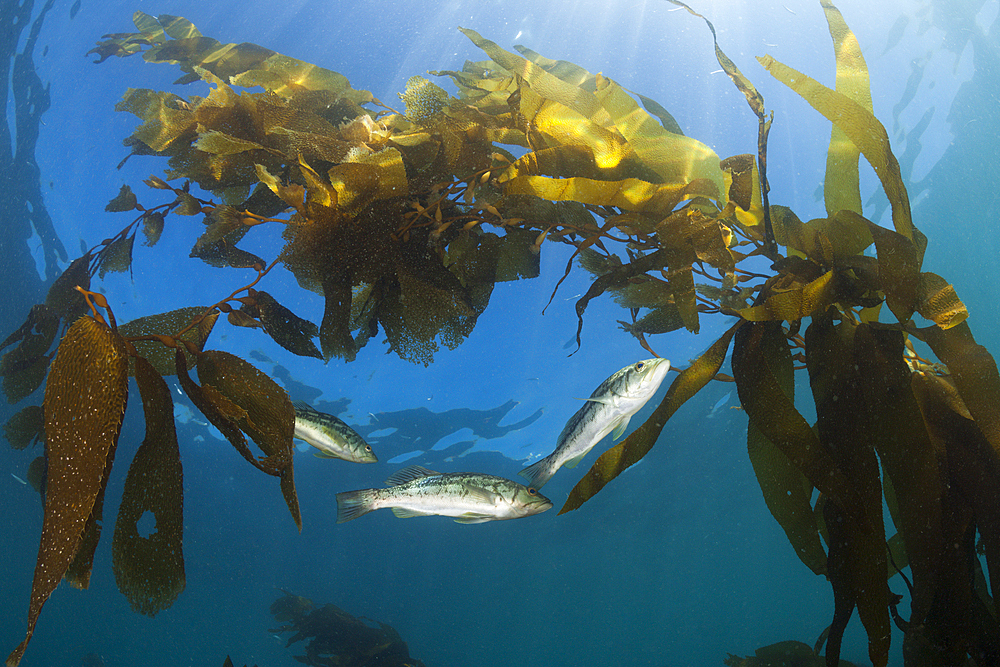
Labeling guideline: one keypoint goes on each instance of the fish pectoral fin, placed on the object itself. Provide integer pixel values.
(605, 400)
(572, 463)
(480, 494)
(404, 513)
(473, 517)
(320, 454)
(620, 427)
(408, 474)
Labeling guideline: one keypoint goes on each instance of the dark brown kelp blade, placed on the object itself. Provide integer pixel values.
(268, 417)
(26, 427)
(84, 405)
(149, 570)
(787, 492)
(856, 565)
(613, 462)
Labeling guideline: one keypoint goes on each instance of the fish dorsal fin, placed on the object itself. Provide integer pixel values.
(408, 474)
(620, 427)
(303, 406)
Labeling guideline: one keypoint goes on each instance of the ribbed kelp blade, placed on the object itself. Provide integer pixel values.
(775, 415)
(630, 451)
(857, 562)
(973, 468)
(797, 301)
(167, 324)
(863, 130)
(84, 405)
(787, 492)
(149, 569)
(841, 190)
(907, 454)
(269, 417)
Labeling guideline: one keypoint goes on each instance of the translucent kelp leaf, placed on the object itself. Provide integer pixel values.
(25, 427)
(565, 70)
(662, 319)
(33, 338)
(283, 76)
(117, 256)
(238, 318)
(269, 418)
(630, 194)
(423, 99)
(676, 158)
(517, 256)
(223, 222)
(152, 227)
(164, 121)
(798, 301)
(177, 27)
(149, 569)
(863, 130)
(787, 492)
(841, 190)
(84, 406)
(18, 386)
(630, 451)
(167, 324)
(335, 328)
(292, 194)
(286, 328)
(938, 301)
(907, 455)
(221, 254)
(187, 205)
(124, 201)
(857, 562)
(369, 178)
(219, 143)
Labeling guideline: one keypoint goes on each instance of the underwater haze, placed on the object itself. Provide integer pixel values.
(459, 262)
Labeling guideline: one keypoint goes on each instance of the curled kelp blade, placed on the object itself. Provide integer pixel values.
(149, 569)
(628, 452)
(84, 406)
(267, 416)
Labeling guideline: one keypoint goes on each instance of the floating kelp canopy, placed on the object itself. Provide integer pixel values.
(404, 221)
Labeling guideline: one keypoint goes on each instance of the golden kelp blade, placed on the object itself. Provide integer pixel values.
(861, 127)
(149, 570)
(841, 190)
(84, 405)
(269, 417)
(616, 460)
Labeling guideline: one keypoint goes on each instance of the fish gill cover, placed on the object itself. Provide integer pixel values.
(404, 221)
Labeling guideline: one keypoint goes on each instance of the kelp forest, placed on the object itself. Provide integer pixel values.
(404, 220)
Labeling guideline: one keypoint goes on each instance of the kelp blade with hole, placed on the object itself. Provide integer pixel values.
(149, 569)
(84, 406)
(616, 460)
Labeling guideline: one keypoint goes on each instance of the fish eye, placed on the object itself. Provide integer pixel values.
(532, 491)
(368, 448)
(640, 365)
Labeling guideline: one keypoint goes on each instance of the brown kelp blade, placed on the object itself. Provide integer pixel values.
(628, 452)
(149, 569)
(84, 406)
(268, 416)
(169, 323)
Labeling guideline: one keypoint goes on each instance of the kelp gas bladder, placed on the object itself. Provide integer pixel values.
(404, 222)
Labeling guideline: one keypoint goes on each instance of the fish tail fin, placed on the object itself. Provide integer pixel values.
(352, 504)
(538, 473)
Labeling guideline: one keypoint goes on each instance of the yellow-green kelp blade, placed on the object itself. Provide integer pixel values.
(628, 452)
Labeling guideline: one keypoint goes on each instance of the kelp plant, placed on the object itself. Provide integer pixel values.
(404, 222)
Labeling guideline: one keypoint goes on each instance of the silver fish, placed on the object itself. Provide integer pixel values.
(468, 496)
(330, 436)
(608, 409)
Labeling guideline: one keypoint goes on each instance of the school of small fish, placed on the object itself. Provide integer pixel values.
(471, 497)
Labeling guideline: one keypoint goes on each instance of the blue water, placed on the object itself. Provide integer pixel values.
(677, 562)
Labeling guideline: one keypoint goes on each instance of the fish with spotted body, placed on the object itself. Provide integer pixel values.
(332, 438)
(469, 497)
(608, 410)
